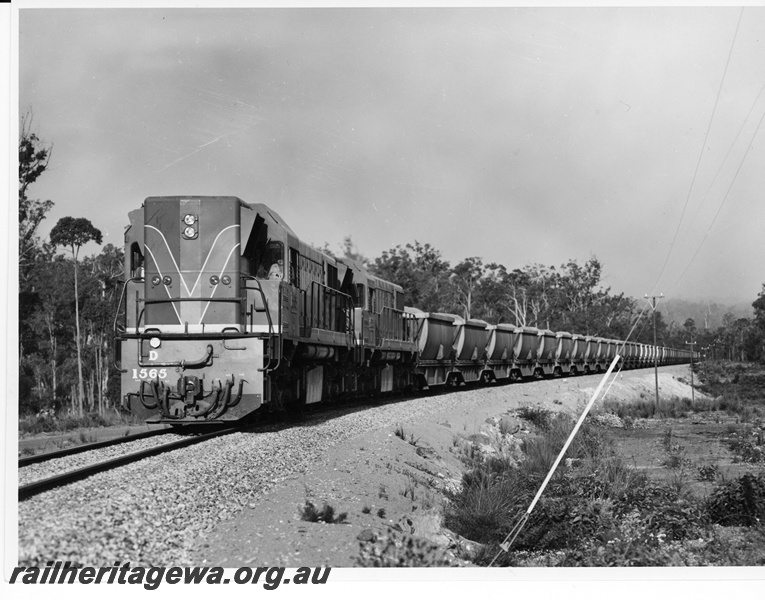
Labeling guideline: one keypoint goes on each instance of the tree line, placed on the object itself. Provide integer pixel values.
(67, 304)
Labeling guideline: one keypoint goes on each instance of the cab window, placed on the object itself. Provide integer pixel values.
(136, 260)
(360, 294)
(271, 262)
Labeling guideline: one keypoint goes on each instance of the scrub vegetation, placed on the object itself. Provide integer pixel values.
(601, 510)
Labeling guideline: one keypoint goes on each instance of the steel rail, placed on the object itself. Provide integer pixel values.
(42, 485)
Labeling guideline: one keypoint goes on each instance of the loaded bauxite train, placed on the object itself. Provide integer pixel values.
(227, 311)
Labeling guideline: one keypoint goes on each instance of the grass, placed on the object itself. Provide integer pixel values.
(740, 502)
(645, 408)
(48, 422)
(400, 550)
(740, 395)
(310, 513)
(748, 446)
(537, 415)
(409, 490)
(707, 472)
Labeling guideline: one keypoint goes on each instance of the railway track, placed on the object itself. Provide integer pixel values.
(66, 477)
(40, 485)
(193, 435)
(45, 456)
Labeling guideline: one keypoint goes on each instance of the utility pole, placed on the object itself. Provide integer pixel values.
(705, 358)
(691, 344)
(655, 348)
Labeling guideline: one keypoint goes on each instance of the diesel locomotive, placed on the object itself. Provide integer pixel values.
(225, 311)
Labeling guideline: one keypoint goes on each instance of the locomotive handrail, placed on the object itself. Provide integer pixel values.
(119, 304)
(270, 323)
(195, 299)
(183, 364)
(348, 312)
(389, 325)
(420, 324)
(145, 301)
(117, 336)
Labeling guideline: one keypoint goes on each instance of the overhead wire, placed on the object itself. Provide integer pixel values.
(725, 198)
(701, 153)
(730, 148)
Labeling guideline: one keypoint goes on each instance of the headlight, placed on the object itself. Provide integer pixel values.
(225, 280)
(190, 232)
(156, 280)
(167, 280)
(190, 219)
(214, 280)
(155, 342)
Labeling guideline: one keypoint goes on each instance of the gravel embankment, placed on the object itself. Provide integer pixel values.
(150, 513)
(153, 512)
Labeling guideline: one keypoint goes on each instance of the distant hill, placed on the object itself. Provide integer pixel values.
(706, 315)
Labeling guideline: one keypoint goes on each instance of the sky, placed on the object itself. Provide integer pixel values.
(517, 135)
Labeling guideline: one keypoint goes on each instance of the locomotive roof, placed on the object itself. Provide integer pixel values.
(362, 273)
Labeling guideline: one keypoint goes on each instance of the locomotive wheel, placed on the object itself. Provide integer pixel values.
(420, 385)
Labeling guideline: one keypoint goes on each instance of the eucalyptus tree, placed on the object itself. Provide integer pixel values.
(73, 233)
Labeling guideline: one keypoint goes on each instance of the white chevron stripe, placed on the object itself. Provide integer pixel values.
(167, 290)
(217, 284)
(170, 252)
(210, 253)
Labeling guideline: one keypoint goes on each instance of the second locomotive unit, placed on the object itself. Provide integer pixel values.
(225, 311)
